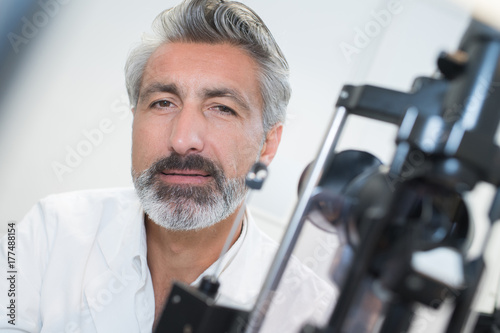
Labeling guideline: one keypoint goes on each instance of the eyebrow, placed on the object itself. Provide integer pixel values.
(159, 87)
(227, 92)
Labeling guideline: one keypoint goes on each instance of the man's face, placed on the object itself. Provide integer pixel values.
(197, 130)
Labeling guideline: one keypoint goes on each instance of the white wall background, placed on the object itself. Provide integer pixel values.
(71, 79)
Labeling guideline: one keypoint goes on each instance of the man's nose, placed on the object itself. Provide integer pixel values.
(188, 130)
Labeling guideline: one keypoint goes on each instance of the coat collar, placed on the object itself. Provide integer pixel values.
(123, 233)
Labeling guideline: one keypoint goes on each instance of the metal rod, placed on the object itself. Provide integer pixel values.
(290, 237)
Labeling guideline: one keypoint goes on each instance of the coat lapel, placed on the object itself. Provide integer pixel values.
(118, 274)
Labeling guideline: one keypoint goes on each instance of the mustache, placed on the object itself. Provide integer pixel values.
(189, 162)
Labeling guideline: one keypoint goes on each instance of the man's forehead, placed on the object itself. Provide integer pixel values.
(212, 69)
(203, 53)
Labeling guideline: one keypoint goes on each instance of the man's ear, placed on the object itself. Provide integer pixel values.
(271, 144)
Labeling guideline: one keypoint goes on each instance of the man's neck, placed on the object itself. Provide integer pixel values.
(183, 255)
(186, 254)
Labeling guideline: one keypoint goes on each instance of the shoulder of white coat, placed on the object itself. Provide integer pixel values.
(257, 236)
(294, 267)
(90, 196)
(87, 201)
(302, 297)
(300, 290)
(78, 211)
(310, 282)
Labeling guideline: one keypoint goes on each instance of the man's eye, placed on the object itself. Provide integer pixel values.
(224, 109)
(162, 104)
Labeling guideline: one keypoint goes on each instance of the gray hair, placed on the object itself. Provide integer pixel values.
(217, 22)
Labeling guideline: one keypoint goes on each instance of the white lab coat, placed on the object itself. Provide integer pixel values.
(80, 263)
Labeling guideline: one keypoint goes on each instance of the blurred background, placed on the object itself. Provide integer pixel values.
(61, 80)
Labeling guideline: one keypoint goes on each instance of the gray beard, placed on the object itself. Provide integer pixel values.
(188, 207)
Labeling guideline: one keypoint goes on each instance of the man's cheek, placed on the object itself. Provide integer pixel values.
(243, 160)
(250, 152)
(142, 156)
